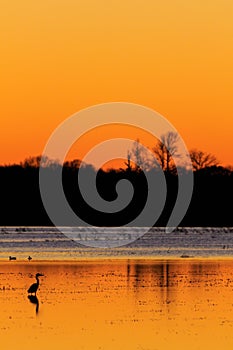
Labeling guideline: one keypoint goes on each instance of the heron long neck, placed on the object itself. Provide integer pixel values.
(37, 279)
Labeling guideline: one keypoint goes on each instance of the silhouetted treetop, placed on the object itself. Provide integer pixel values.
(20, 194)
(202, 159)
(166, 149)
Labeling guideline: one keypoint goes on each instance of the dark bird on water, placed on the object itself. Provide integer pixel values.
(12, 257)
(29, 258)
(33, 288)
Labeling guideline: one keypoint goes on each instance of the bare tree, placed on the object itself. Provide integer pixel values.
(202, 160)
(166, 149)
(31, 162)
(37, 161)
(141, 157)
(74, 164)
(128, 164)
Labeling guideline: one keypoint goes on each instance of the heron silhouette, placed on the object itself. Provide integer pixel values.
(33, 288)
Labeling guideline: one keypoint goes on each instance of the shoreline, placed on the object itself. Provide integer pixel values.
(141, 259)
(47, 244)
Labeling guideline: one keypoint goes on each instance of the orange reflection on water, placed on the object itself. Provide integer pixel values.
(130, 304)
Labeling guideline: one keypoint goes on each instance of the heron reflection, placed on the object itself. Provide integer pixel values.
(34, 300)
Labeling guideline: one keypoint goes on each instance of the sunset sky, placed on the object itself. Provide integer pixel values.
(59, 56)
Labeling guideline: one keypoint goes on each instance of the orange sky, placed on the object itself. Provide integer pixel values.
(59, 56)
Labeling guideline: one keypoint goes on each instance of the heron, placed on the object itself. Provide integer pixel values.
(29, 258)
(33, 288)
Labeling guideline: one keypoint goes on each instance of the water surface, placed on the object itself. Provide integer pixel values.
(118, 304)
(48, 243)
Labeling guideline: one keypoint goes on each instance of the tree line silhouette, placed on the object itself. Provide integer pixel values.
(210, 204)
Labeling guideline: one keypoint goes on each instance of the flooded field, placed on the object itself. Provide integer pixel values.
(48, 243)
(118, 304)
